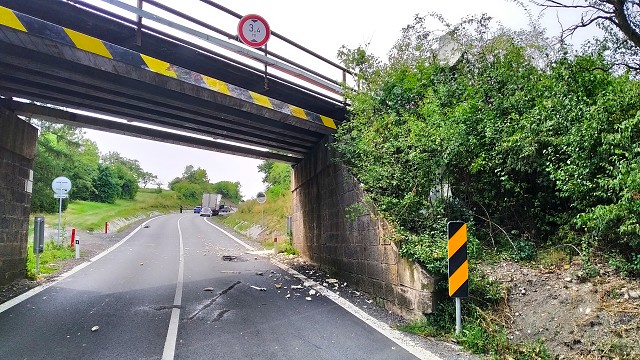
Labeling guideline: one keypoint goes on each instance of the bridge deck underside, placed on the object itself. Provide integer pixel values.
(42, 70)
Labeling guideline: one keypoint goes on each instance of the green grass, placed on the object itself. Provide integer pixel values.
(91, 216)
(52, 253)
(250, 213)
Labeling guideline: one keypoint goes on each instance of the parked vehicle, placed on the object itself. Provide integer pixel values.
(206, 211)
(197, 209)
(213, 201)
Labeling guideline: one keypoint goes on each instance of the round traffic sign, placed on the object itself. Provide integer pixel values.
(61, 185)
(261, 198)
(254, 30)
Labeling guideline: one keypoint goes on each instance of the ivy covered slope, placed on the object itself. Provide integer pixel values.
(537, 146)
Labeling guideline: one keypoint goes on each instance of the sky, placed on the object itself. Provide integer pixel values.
(322, 26)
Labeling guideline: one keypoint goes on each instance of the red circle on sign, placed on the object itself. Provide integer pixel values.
(254, 30)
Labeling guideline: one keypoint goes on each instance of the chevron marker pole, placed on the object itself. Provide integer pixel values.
(458, 266)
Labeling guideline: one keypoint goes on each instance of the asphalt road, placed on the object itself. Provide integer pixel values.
(167, 292)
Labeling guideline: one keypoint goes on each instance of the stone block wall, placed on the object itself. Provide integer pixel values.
(324, 193)
(17, 151)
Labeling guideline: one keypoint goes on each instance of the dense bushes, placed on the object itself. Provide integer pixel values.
(532, 154)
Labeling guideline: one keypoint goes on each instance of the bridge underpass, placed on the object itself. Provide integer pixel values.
(55, 65)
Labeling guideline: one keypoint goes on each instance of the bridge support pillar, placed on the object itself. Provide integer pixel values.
(17, 150)
(332, 228)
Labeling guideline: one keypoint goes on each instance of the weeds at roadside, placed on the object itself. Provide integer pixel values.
(52, 252)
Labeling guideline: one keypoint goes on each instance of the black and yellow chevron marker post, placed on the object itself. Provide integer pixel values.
(458, 266)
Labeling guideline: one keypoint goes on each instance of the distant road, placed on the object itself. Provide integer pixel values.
(167, 293)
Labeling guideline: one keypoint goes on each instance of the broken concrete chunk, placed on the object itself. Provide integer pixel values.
(258, 288)
(307, 298)
(288, 296)
(312, 292)
(207, 289)
(95, 328)
(296, 286)
(332, 281)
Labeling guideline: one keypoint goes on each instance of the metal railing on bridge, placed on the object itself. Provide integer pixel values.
(260, 60)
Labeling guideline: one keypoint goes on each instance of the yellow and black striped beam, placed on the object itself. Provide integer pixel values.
(31, 25)
(458, 261)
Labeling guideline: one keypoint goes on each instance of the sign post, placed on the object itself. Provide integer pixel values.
(61, 186)
(458, 266)
(262, 198)
(38, 239)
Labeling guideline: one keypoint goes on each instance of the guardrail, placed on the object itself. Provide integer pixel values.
(306, 78)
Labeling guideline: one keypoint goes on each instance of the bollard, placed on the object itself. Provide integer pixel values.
(106, 227)
(73, 237)
(77, 247)
(275, 246)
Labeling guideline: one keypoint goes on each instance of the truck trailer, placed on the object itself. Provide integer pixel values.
(213, 201)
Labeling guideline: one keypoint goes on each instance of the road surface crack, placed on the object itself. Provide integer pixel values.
(208, 304)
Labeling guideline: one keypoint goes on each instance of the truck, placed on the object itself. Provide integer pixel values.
(213, 201)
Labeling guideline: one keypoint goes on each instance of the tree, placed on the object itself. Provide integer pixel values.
(114, 158)
(620, 20)
(277, 177)
(107, 184)
(62, 151)
(147, 178)
(228, 190)
(129, 183)
(191, 185)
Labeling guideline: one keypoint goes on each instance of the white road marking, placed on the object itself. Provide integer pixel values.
(394, 335)
(18, 299)
(247, 246)
(172, 333)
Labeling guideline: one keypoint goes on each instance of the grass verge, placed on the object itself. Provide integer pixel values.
(53, 253)
(91, 216)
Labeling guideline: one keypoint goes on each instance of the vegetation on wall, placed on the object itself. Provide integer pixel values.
(533, 152)
(533, 146)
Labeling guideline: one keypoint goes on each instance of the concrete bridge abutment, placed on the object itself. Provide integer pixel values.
(18, 141)
(330, 229)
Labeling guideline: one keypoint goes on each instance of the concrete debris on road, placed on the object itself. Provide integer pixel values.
(332, 281)
(288, 296)
(207, 289)
(312, 292)
(95, 328)
(307, 298)
(278, 286)
(296, 286)
(258, 288)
